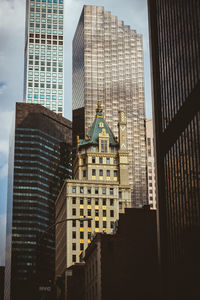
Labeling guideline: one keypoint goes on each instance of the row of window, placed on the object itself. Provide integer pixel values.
(89, 212)
(48, 1)
(89, 190)
(108, 172)
(96, 201)
(100, 160)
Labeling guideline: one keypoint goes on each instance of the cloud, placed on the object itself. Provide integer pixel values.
(2, 238)
(3, 87)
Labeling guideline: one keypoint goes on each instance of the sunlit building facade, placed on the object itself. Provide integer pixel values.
(108, 65)
(43, 54)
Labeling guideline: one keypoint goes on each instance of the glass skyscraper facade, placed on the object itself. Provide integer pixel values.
(175, 55)
(40, 161)
(43, 68)
(108, 65)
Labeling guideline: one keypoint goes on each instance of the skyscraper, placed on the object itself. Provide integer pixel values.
(175, 56)
(108, 65)
(39, 162)
(43, 67)
(150, 164)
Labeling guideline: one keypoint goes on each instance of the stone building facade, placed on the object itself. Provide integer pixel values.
(100, 190)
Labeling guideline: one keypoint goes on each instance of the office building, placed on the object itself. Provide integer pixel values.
(175, 58)
(100, 190)
(39, 162)
(43, 54)
(150, 164)
(2, 271)
(108, 65)
(124, 265)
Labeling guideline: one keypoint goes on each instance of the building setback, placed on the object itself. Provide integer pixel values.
(175, 58)
(39, 162)
(150, 164)
(108, 65)
(43, 54)
(124, 265)
(100, 190)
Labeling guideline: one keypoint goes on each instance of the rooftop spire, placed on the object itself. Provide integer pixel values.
(99, 107)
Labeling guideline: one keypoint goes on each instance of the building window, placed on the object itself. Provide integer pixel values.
(112, 224)
(96, 213)
(96, 201)
(73, 189)
(73, 234)
(104, 201)
(108, 160)
(104, 147)
(81, 189)
(81, 246)
(81, 235)
(73, 200)
(108, 173)
(104, 213)
(100, 160)
(115, 173)
(120, 205)
(111, 202)
(73, 258)
(120, 195)
(93, 160)
(93, 172)
(73, 211)
(104, 191)
(111, 191)
(81, 212)
(89, 201)
(89, 223)
(89, 190)
(84, 173)
(89, 212)
(96, 224)
(73, 246)
(96, 190)
(81, 200)
(112, 213)
(100, 172)
(104, 224)
(74, 223)
(89, 235)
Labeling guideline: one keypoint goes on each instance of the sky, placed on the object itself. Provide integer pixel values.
(12, 36)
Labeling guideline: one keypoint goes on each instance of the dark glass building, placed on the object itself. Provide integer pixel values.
(40, 161)
(175, 59)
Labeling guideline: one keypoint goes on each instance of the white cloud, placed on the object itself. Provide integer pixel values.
(2, 238)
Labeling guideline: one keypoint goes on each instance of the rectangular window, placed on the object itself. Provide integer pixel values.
(104, 201)
(81, 189)
(107, 160)
(96, 201)
(100, 172)
(93, 160)
(104, 213)
(100, 160)
(73, 211)
(73, 189)
(89, 212)
(96, 190)
(111, 191)
(84, 173)
(81, 235)
(108, 173)
(89, 190)
(112, 213)
(104, 224)
(112, 224)
(73, 200)
(81, 212)
(73, 234)
(73, 246)
(81, 246)
(81, 200)
(74, 223)
(96, 224)
(93, 172)
(104, 146)
(89, 201)
(96, 213)
(74, 258)
(104, 191)
(115, 173)
(111, 202)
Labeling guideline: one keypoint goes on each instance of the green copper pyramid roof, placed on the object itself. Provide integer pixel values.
(96, 128)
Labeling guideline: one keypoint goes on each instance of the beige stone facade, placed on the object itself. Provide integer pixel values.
(150, 164)
(100, 190)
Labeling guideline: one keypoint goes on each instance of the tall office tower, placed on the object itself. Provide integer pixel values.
(108, 65)
(43, 55)
(175, 57)
(39, 162)
(100, 190)
(150, 164)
